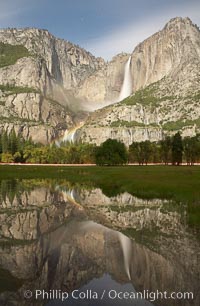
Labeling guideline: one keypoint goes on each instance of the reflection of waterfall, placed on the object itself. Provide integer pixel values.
(69, 196)
(126, 248)
(125, 242)
(126, 89)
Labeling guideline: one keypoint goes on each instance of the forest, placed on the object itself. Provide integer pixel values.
(172, 150)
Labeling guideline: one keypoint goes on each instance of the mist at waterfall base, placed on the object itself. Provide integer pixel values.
(71, 133)
(126, 91)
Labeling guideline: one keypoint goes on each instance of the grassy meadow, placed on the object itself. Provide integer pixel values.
(181, 184)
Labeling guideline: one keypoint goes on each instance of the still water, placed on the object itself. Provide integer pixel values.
(96, 250)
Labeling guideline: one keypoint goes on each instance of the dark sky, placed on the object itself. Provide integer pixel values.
(104, 27)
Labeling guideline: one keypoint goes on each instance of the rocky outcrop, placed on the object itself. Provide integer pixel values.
(131, 121)
(53, 69)
(67, 63)
(33, 115)
(163, 52)
(103, 87)
(97, 135)
(164, 68)
(153, 59)
(165, 71)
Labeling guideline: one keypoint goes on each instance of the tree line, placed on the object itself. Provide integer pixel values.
(171, 150)
(14, 148)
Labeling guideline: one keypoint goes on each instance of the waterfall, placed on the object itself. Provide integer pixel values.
(70, 135)
(126, 89)
(126, 249)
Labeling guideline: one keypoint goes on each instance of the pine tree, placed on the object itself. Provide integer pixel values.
(13, 142)
(4, 142)
(0, 144)
(177, 149)
(166, 149)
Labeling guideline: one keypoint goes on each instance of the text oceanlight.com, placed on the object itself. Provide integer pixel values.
(106, 294)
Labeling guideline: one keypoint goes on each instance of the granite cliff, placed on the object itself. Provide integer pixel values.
(165, 85)
(38, 77)
(51, 85)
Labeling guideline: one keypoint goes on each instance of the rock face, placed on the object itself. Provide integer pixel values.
(103, 87)
(165, 52)
(53, 69)
(52, 86)
(33, 115)
(67, 63)
(97, 135)
(165, 74)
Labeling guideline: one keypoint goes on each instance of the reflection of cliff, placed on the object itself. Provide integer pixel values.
(23, 194)
(96, 197)
(28, 214)
(127, 211)
(30, 224)
(158, 224)
(48, 242)
(79, 251)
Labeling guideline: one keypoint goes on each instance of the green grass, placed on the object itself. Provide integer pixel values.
(14, 242)
(18, 119)
(195, 97)
(128, 208)
(119, 123)
(12, 89)
(144, 96)
(179, 124)
(180, 184)
(9, 54)
(124, 123)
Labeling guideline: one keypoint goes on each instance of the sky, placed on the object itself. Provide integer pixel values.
(103, 27)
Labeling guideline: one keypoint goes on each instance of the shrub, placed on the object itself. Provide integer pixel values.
(9, 54)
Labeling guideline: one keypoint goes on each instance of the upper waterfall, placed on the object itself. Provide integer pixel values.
(126, 89)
